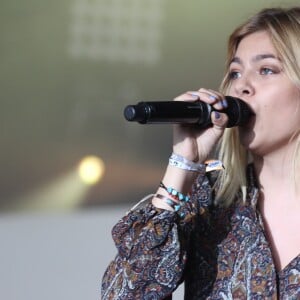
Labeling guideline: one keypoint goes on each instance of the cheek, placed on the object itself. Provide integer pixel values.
(280, 111)
(278, 121)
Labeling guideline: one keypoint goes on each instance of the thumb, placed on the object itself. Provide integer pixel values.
(219, 120)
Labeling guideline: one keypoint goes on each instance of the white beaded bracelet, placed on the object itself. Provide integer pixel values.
(183, 163)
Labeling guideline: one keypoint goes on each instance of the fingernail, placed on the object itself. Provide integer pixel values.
(212, 97)
(224, 103)
(217, 115)
(194, 94)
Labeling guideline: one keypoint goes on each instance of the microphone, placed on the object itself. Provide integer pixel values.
(184, 112)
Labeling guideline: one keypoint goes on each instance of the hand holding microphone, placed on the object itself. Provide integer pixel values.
(200, 119)
(184, 112)
(208, 111)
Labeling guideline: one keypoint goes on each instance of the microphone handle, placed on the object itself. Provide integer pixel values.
(184, 112)
(168, 112)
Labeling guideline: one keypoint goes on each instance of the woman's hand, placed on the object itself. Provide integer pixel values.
(196, 144)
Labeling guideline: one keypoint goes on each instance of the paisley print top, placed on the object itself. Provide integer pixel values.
(218, 252)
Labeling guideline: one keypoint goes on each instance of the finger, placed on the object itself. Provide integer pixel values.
(188, 96)
(218, 94)
(217, 99)
(219, 120)
(209, 96)
(205, 95)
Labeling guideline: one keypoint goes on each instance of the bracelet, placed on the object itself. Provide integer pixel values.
(183, 163)
(174, 205)
(175, 194)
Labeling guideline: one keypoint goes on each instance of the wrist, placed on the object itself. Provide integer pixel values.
(180, 179)
(181, 162)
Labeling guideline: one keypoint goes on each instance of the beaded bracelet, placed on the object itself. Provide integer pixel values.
(183, 163)
(174, 194)
(173, 204)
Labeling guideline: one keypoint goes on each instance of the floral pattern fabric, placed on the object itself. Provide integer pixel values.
(218, 252)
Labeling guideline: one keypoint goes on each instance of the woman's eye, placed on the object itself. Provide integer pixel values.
(266, 71)
(234, 74)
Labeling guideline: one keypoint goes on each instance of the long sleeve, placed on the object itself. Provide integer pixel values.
(150, 259)
(152, 249)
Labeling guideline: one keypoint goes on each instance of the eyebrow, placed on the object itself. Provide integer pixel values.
(256, 58)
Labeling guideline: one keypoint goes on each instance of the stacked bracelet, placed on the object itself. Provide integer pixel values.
(175, 194)
(176, 199)
(173, 204)
(183, 163)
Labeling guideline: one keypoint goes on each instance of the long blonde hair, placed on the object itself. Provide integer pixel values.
(283, 26)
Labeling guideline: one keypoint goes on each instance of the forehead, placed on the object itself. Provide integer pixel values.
(255, 44)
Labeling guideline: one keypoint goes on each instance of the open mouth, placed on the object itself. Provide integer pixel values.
(250, 122)
(243, 111)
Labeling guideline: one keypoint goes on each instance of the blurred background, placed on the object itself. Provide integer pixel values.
(70, 164)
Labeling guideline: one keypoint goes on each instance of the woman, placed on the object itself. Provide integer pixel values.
(237, 236)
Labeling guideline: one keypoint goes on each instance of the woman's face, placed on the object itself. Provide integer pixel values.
(258, 78)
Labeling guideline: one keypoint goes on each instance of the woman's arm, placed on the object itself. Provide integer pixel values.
(152, 248)
(152, 242)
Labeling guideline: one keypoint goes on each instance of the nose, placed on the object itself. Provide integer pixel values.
(243, 86)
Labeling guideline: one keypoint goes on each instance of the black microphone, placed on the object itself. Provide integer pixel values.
(184, 112)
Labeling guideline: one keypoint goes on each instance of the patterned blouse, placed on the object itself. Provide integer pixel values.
(218, 252)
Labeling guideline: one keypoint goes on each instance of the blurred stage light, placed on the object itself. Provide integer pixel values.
(66, 191)
(91, 169)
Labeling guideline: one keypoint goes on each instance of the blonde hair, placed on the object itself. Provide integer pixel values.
(283, 26)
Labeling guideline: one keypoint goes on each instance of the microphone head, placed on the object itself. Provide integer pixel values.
(135, 113)
(129, 113)
(238, 111)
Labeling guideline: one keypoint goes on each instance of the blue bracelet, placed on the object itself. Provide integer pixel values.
(175, 205)
(175, 194)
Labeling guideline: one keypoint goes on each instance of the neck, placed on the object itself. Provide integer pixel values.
(275, 173)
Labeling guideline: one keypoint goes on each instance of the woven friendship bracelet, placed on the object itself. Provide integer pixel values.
(183, 163)
(175, 194)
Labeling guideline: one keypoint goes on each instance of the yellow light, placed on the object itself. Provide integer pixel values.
(91, 169)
